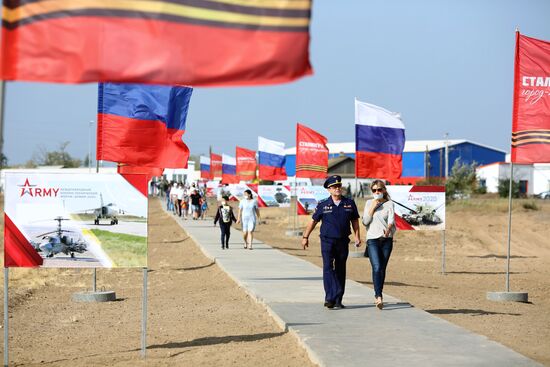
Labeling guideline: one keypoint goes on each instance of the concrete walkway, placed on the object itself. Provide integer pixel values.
(360, 335)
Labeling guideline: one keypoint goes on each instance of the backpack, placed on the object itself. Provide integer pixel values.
(225, 212)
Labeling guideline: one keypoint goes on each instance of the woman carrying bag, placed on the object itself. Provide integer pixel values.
(378, 217)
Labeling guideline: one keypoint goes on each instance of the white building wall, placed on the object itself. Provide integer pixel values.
(541, 178)
(490, 174)
(501, 171)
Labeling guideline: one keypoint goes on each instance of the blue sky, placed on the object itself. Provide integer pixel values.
(445, 65)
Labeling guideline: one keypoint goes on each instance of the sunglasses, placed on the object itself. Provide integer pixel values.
(377, 190)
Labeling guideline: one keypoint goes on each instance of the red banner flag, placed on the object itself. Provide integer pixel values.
(531, 112)
(199, 42)
(311, 153)
(246, 164)
(215, 166)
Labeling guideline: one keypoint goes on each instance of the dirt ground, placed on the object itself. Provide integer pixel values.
(476, 238)
(197, 315)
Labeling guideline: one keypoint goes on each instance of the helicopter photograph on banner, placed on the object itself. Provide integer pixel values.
(53, 220)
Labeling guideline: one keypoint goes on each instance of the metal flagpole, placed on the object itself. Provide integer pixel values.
(6, 319)
(443, 255)
(295, 204)
(94, 276)
(6, 270)
(144, 316)
(446, 177)
(509, 226)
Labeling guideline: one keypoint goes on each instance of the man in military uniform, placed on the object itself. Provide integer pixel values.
(336, 214)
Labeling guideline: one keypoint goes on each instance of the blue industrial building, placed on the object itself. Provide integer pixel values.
(421, 158)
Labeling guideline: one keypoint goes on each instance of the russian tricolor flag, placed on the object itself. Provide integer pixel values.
(205, 167)
(379, 142)
(142, 125)
(229, 169)
(271, 157)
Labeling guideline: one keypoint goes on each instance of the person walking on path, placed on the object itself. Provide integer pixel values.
(204, 207)
(378, 217)
(226, 217)
(195, 199)
(249, 214)
(336, 214)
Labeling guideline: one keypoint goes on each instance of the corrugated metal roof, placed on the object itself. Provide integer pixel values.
(410, 146)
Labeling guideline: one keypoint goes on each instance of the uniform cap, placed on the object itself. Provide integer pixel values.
(332, 180)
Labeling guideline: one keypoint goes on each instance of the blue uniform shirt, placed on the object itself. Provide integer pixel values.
(335, 219)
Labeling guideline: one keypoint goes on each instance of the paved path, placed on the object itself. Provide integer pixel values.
(360, 335)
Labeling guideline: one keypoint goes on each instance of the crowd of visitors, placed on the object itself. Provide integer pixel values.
(183, 200)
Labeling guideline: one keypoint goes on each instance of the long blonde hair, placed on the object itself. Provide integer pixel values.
(381, 184)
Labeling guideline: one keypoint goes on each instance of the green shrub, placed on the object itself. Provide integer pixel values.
(504, 188)
(530, 205)
(462, 181)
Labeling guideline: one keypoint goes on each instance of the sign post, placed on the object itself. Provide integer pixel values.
(6, 318)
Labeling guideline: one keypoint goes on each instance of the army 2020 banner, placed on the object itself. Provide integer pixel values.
(309, 197)
(70, 220)
(418, 207)
(274, 196)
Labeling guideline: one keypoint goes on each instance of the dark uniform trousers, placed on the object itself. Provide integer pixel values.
(335, 253)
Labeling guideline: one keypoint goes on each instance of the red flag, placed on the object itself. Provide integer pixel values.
(215, 166)
(531, 111)
(131, 172)
(199, 42)
(246, 164)
(311, 153)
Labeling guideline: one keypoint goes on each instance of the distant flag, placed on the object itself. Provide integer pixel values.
(142, 125)
(215, 166)
(199, 42)
(271, 157)
(379, 142)
(311, 153)
(246, 164)
(229, 169)
(531, 112)
(205, 167)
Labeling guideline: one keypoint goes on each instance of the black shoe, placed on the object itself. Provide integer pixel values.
(329, 305)
(339, 305)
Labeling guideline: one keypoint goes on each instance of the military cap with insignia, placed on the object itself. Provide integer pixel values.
(332, 180)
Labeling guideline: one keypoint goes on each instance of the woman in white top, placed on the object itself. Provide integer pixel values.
(378, 217)
(248, 213)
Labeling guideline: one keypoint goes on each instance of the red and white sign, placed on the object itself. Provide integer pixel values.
(418, 207)
(73, 220)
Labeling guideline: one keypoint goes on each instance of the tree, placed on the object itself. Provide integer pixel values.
(59, 157)
(504, 188)
(3, 161)
(462, 180)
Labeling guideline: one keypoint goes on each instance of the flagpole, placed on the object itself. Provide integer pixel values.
(507, 295)
(6, 269)
(509, 226)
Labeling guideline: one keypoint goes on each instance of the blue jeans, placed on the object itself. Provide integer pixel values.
(379, 254)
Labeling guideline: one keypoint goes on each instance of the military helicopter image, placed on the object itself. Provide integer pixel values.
(423, 215)
(109, 211)
(59, 241)
(281, 197)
